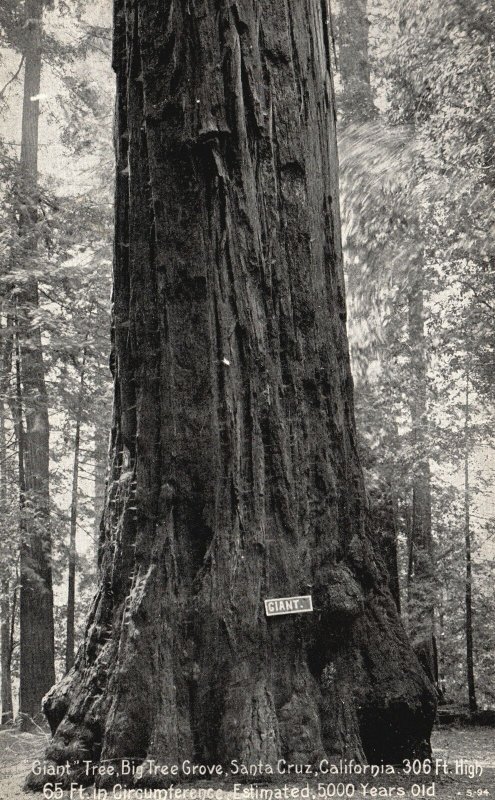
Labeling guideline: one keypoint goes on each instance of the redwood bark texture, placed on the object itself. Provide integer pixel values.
(235, 475)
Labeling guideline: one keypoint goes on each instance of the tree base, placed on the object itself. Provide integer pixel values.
(299, 689)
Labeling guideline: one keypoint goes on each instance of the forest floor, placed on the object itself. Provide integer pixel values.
(450, 744)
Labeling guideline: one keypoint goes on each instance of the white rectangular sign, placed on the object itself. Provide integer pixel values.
(288, 605)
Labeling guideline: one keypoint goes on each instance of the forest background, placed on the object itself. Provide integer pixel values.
(414, 83)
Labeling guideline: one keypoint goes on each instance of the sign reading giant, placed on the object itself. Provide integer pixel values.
(288, 605)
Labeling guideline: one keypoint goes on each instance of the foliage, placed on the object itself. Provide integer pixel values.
(417, 193)
(71, 265)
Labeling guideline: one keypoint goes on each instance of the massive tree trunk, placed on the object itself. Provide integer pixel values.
(37, 673)
(422, 585)
(235, 475)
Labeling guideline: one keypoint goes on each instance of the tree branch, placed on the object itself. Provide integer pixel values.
(476, 294)
(13, 78)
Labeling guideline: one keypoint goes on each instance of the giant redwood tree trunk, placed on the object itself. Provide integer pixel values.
(235, 475)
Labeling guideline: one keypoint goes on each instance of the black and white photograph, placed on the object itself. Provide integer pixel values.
(247, 399)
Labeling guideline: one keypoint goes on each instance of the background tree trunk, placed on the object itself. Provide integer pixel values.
(235, 475)
(422, 587)
(356, 101)
(5, 610)
(101, 436)
(357, 108)
(469, 572)
(5, 625)
(37, 672)
(71, 593)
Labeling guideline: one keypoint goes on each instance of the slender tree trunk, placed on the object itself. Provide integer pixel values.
(441, 655)
(5, 610)
(6, 698)
(71, 582)
(421, 579)
(71, 594)
(235, 475)
(357, 108)
(101, 436)
(422, 587)
(410, 560)
(356, 100)
(37, 672)
(469, 577)
(18, 416)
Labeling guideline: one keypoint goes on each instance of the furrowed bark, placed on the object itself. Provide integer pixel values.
(384, 521)
(234, 470)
